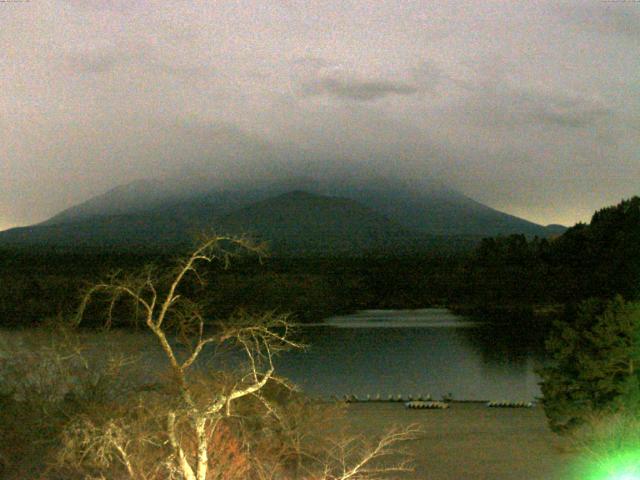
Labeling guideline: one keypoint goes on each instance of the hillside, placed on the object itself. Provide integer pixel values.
(433, 210)
(441, 211)
(296, 222)
(300, 221)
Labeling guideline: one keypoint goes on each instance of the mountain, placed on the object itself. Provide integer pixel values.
(132, 230)
(182, 198)
(294, 222)
(298, 215)
(134, 197)
(439, 211)
(300, 221)
(555, 230)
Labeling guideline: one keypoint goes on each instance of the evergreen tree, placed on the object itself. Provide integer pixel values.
(594, 363)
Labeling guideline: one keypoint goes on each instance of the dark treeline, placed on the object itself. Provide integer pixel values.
(39, 284)
(598, 260)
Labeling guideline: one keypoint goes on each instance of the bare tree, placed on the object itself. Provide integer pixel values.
(355, 459)
(197, 411)
(259, 338)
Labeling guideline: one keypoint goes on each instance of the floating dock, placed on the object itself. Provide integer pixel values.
(427, 405)
(427, 402)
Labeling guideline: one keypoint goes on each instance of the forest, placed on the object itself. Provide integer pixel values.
(599, 259)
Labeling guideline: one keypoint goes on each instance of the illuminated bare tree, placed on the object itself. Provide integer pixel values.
(194, 416)
(259, 338)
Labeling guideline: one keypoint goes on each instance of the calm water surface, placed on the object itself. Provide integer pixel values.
(415, 352)
(386, 352)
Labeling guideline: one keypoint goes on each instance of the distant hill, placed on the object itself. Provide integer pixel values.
(295, 223)
(554, 230)
(440, 211)
(301, 221)
(134, 197)
(182, 198)
(135, 230)
(315, 218)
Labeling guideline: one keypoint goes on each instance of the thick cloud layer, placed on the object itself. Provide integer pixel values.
(530, 107)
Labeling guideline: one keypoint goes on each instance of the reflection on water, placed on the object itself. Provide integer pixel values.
(506, 343)
(423, 318)
(414, 352)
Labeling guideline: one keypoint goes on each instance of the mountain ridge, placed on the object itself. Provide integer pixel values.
(348, 219)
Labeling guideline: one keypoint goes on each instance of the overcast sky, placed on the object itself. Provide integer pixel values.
(530, 107)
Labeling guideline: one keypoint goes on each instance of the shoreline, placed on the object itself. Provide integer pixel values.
(470, 441)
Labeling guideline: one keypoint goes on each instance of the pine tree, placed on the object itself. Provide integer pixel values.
(594, 363)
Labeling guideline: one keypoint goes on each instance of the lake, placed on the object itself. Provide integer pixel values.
(387, 352)
(415, 352)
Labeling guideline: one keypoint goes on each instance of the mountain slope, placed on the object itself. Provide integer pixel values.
(299, 221)
(440, 211)
(131, 230)
(184, 197)
(134, 197)
(429, 209)
(336, 216)
(295, 222)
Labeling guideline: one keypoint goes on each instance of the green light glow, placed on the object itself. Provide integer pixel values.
(625, 476)
(621, 466)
